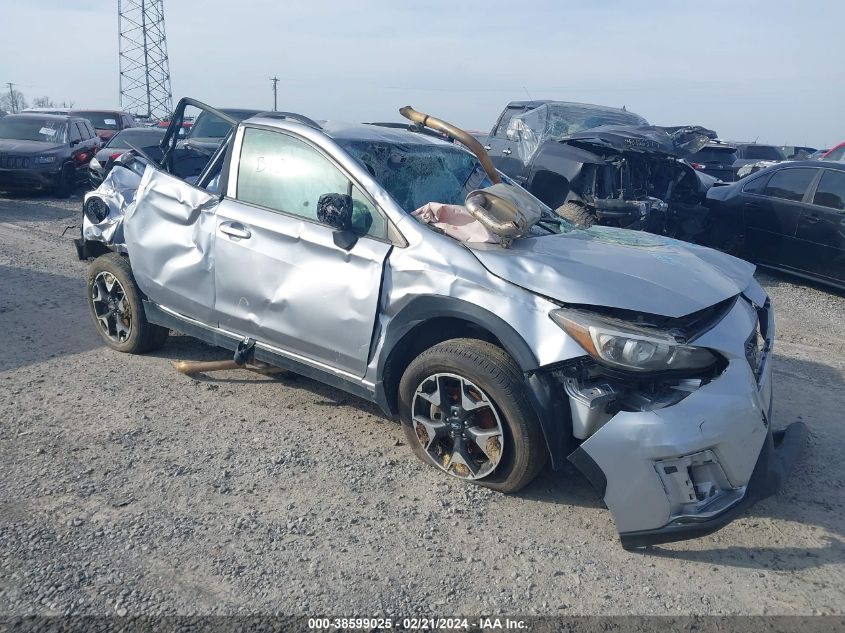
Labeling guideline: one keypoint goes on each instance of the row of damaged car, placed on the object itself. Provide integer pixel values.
(597, 165)
(407, 270)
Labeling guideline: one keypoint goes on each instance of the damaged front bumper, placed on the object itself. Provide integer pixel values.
(686, 470)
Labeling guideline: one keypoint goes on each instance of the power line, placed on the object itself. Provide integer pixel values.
(275, 81)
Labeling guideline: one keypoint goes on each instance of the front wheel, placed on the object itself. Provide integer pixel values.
(115, 302)
(66, 182)
(579, 215)
(464, 410)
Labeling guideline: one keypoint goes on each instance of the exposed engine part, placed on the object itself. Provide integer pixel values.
(456, 133)
(507, 211)
(597, 393)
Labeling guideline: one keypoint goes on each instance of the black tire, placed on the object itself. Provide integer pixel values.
(577, 214)
(67, 182)
(498, 375)
(143, 336)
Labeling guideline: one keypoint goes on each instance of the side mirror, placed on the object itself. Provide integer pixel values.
(335, 210)
(75, 141)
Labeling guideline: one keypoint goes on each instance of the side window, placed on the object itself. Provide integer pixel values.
(507, 115)
(790, 184)
(91, 131)
(84, 134)
(755, 185)
(74, 132)
(283, 173)
(831, 190)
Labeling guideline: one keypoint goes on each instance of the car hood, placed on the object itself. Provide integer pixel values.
(617, 268)
(28, 147)
(670, 141)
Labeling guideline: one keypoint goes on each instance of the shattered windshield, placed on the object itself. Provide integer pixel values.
(32, 129)
(417, 174)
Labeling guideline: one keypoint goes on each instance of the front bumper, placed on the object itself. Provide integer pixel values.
(779, 453)
(688, 469)
(27, 179)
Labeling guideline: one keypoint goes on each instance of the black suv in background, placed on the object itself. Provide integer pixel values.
(750, 153)
(715, 159)
(45, 151)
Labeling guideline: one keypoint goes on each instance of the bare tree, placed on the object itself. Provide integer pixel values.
(42, 102)
(67, 104)
(12, 100)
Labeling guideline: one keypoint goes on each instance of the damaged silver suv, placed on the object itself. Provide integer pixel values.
(405, 270)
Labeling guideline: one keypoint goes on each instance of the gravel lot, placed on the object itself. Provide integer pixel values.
(129, 488)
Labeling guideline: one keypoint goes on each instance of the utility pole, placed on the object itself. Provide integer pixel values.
(275, 81)
(13, 103)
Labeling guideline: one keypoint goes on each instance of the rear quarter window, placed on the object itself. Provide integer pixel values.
(831, 190)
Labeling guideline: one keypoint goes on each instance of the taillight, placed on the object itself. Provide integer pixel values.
(115, 155)
(698, 166)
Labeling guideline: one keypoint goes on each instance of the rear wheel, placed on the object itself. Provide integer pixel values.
(115, 302)
(579, 215)
(465, 411)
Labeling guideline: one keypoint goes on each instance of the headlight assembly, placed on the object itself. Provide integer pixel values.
(617, 343)
(95, 209)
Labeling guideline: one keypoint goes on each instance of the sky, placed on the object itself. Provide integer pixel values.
(770, 70)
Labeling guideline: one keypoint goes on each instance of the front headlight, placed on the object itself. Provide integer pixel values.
(621, 344)
(94, 164)
(44, 159)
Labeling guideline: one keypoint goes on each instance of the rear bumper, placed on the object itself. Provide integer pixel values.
(27, 179)
(776, 459)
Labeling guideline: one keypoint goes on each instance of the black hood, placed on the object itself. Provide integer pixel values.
(679, 142)
(28, 147)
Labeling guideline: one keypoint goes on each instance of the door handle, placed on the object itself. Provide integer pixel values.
(507, 151)
(488, 147)
(812, 218)
(235, 229)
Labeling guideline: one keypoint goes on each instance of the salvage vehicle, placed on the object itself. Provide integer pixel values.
(790, 217)
(715, 159)
(45, 151)
(407, 271)
(600, 165)
(146, 138)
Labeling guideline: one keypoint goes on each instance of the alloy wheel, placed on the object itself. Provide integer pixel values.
(457, 426)
(111, 307)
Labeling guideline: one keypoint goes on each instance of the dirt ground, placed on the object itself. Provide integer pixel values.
(129, 488)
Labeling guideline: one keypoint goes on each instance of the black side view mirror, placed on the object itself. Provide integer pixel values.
(335, 210)
(75, 141)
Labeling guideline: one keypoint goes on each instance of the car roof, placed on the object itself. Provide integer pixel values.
(144, 130)
(823, 164)
(342, 131)
(77, 111)
(44, 117)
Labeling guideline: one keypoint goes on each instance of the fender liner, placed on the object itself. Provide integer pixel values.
(544, 397)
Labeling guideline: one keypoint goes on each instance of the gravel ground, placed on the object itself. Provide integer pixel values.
(129, 488)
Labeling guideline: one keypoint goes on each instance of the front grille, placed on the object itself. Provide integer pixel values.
(12, 161)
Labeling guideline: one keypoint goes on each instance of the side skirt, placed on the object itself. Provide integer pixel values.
(218, 338)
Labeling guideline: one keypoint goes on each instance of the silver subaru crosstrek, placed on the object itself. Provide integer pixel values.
(400, 268)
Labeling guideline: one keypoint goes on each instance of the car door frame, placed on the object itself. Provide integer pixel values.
(339, 361)
(815, 251)
(764, 202)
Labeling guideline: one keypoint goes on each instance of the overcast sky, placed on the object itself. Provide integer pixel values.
(768, 69)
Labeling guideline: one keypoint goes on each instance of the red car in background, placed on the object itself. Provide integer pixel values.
(107, 123)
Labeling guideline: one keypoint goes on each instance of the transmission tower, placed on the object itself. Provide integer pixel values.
(144, 69)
